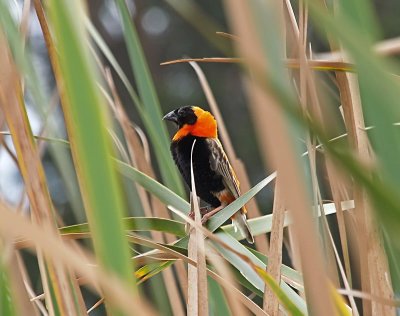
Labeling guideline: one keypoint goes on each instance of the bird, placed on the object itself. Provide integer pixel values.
(215, 180)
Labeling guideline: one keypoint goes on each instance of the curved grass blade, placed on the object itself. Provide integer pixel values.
(222, 216)
(148, 271)
(262, 225)
(283, 298)
(147, 92)
(248, 272)
(293, 277)
(321, 65)
(162, 192)
(136, 224)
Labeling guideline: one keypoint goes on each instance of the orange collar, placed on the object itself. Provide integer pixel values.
(205, 126)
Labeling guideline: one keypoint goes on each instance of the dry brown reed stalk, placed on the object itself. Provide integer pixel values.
(38, 304)
(8, 150)
(197, 302)
(97, 304)
(270, 301)
(24, 26)
(374, 269)
(172, 255)
(290, 63)
(20, 279)
(310, 102)
(20, 297)
(308, 82)
(261, 241)
(11, 98)
(244, 299)
(151, 205)
(65, 256)
(368, 296)
(41, 145)
(51, 50)
(227, 35)
(387, 47)
(270, 125)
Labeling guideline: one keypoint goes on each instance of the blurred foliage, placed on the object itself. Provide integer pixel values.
(166, 35)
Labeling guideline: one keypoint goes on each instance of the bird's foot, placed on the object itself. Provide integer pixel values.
(203, 212)
(206, 213)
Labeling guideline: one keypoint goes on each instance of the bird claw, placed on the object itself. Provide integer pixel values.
(203, 212)
(191, 215)
(206, 213)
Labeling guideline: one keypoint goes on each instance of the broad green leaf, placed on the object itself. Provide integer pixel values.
(90, 144)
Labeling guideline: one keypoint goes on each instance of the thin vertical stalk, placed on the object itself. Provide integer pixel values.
(55, 279)
(271, 302)
(86, 123)
(272, 127)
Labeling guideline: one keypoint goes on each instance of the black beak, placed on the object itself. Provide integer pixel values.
(171, 116)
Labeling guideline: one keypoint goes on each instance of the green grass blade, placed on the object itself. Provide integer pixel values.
(262, 225)
(153, 186)
(218, 219)
(141, 224)
(86, 125)
(152, 269)
(248, 271)
(7, 302)
(286, 271)
(217, 301)
(150, 101)
(283, 298)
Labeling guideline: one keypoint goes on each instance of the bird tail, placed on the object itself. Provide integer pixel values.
(240, 221)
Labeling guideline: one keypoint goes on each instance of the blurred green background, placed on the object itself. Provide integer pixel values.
(166, 35)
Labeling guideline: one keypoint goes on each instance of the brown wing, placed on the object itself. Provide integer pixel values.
(220, 164)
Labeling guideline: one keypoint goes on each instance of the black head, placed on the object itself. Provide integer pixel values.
(182, 116)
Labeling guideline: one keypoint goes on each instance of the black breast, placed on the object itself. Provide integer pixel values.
(206, 179)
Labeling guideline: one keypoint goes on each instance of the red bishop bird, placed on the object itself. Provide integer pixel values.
(215, 180)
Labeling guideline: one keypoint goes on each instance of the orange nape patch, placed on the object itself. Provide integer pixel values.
(205, 126)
